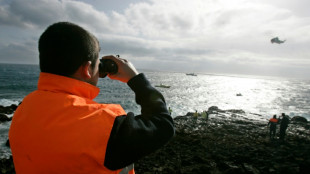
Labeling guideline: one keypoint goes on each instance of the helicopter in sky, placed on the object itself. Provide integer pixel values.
(277, 40)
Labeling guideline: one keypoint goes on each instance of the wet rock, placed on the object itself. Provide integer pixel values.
(7, 143)
(7, 166)
(213, 109)
(236, 111)
(8, 109)
(4, 118)
(229, 145)
(190, 114)
(250, 169)
(299, 119)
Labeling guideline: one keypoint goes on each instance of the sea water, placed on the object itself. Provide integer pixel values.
(263, 96)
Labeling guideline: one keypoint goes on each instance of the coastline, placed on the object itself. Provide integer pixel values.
(228, 142)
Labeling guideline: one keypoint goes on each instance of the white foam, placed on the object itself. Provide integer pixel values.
(8, 102)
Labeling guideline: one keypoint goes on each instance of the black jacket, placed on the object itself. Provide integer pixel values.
(133, 137)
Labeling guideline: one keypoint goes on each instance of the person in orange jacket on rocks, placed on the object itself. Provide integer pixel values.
(273, 126)
(59, 128)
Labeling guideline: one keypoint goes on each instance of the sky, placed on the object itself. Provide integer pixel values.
(201, 36)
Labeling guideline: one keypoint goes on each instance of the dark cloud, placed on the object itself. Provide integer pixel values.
(144, 48)
(30, 13)
(40, 14)
(24, 53)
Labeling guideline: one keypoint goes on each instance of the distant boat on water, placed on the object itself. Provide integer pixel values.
(191, 74)
(162, 86)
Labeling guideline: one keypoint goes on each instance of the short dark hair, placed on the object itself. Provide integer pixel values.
(64, 47)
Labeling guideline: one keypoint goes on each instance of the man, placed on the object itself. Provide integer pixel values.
(283, 126)
(205, 115)
(273, 126)
(60, 129)
(170, 111)
(196, 114)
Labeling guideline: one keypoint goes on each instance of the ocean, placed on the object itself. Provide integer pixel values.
(259, 97)
(264, 96)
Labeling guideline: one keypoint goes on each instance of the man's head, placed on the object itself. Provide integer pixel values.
(66, 48)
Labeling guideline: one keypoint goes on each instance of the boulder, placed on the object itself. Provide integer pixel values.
(6, 165)
(8, 109)
(7, 143)
(213, 110)
(4, 118)
(190, 114)
(299, 119)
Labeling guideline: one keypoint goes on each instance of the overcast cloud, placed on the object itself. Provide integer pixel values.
(212, 36)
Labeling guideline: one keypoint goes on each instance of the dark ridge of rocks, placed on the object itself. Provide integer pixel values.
(7, 166)
(7, 143)
(229, 145)
(4, 110)
(4, 118)
(299, 119)
(8, 109)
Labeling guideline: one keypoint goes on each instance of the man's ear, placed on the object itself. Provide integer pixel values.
(87, 70)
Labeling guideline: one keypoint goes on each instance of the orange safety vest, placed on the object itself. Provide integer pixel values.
(273, 120)
(60, 129)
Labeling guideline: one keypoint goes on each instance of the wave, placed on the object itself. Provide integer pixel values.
(8, 102)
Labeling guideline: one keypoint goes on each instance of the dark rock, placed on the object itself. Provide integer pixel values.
(190, 114)
(229, 145)
(237, 111)
(4, 118)
(7, 166)
(304, 166)
(8, 109)
(250, 169)
(7, 143)
(213, 109)
(299, 119)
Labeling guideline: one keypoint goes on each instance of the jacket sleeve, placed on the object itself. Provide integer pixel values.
(133, 137)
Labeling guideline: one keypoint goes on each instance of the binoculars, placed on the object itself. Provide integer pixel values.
(107, 66)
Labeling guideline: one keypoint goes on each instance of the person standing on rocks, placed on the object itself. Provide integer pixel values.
(283, 126)
(59, 128)
(205, 115)
(273, 126)
(170, 111)
(196, 114)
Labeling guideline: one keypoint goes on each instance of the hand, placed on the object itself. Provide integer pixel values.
(126, 70)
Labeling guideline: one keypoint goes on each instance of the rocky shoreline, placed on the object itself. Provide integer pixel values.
(227, 142)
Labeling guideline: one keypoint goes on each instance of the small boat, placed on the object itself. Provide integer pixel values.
(162, 86)
(191, 74)
(238, 94)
